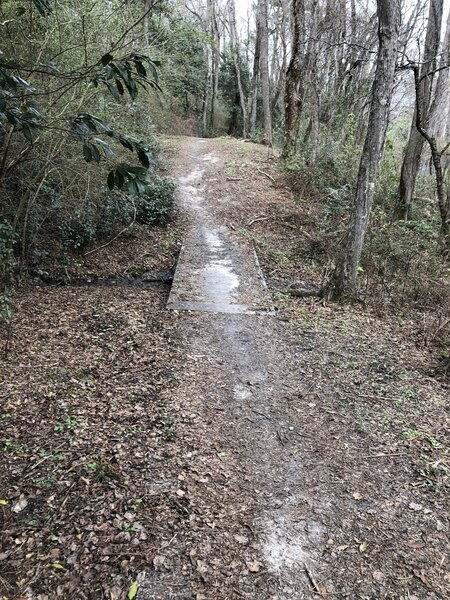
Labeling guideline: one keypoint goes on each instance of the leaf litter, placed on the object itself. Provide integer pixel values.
(138, 471)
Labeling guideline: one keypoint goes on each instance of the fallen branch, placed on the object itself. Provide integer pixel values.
(390, 454)
(266, 174)
(312, 580)
(304, 292)
(257, 219)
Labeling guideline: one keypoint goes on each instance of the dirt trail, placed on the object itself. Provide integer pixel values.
(269, 495)
(242, 381)
(214, 272)
(230, 452)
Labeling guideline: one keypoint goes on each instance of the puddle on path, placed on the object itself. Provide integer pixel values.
(211, 158)
(215, 273)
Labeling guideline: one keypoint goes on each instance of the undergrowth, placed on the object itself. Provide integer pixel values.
(402, 266)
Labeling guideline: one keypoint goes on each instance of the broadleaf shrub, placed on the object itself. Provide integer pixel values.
(155, 204)
(115, 211)
(78, 231)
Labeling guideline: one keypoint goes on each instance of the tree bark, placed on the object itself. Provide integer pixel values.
(264, 70)
(413, 151)
(293, 97)
(343, 283)
(313, 131)
(215, 61)
(439, 111)
(255, 79)
(237, 66)
(436, 157)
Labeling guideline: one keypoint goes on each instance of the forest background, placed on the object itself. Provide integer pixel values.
(86, 86)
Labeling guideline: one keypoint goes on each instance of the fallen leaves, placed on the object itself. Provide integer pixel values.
(20, 504)
(254, 566)
(132, 590)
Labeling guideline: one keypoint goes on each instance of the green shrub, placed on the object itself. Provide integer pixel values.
(115, 210)
(154, 206)
(7, 239)
(78, 231)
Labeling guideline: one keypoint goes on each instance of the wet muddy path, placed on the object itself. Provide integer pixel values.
(283, 491)
(259, 541)
(215, 273)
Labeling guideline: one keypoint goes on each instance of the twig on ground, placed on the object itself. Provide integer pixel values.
(266, 174)
(257, 412)
(39, 462)
(257, 219)
(304, 292)
(386, 454)
(312, 580)
(167, 544)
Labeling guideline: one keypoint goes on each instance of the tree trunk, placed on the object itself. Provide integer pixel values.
(293, 96)
(343, 283)
(264, 70)
(280, 69)
(436, 157)
(312, 133)
(215, 60)
(439, 111)
(237, 66)
(255, 79)
(413, 152)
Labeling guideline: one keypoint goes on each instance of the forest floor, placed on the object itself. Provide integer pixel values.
(214, 456)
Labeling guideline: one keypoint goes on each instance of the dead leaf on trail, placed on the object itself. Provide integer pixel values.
(416, 545)
(241, 539)
(357, 496)
(201, 566)
(21, 503)
(158, 561)
(420, 576)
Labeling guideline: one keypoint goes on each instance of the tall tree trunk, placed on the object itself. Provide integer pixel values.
(293, 96)
(264, 70)
(439, 111)
(215, 59)
(255, 79)
(436, 157)
(280, 82)
(413, 151)
(312, 133)
(237, 66)
(343, 283)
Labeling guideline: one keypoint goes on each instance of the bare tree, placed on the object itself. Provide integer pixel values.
(237, 66)
(262, 15)
(255, 79)
(413, 151)
(436, 157)
(343, 283)
(439, 111)
(294, 91)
